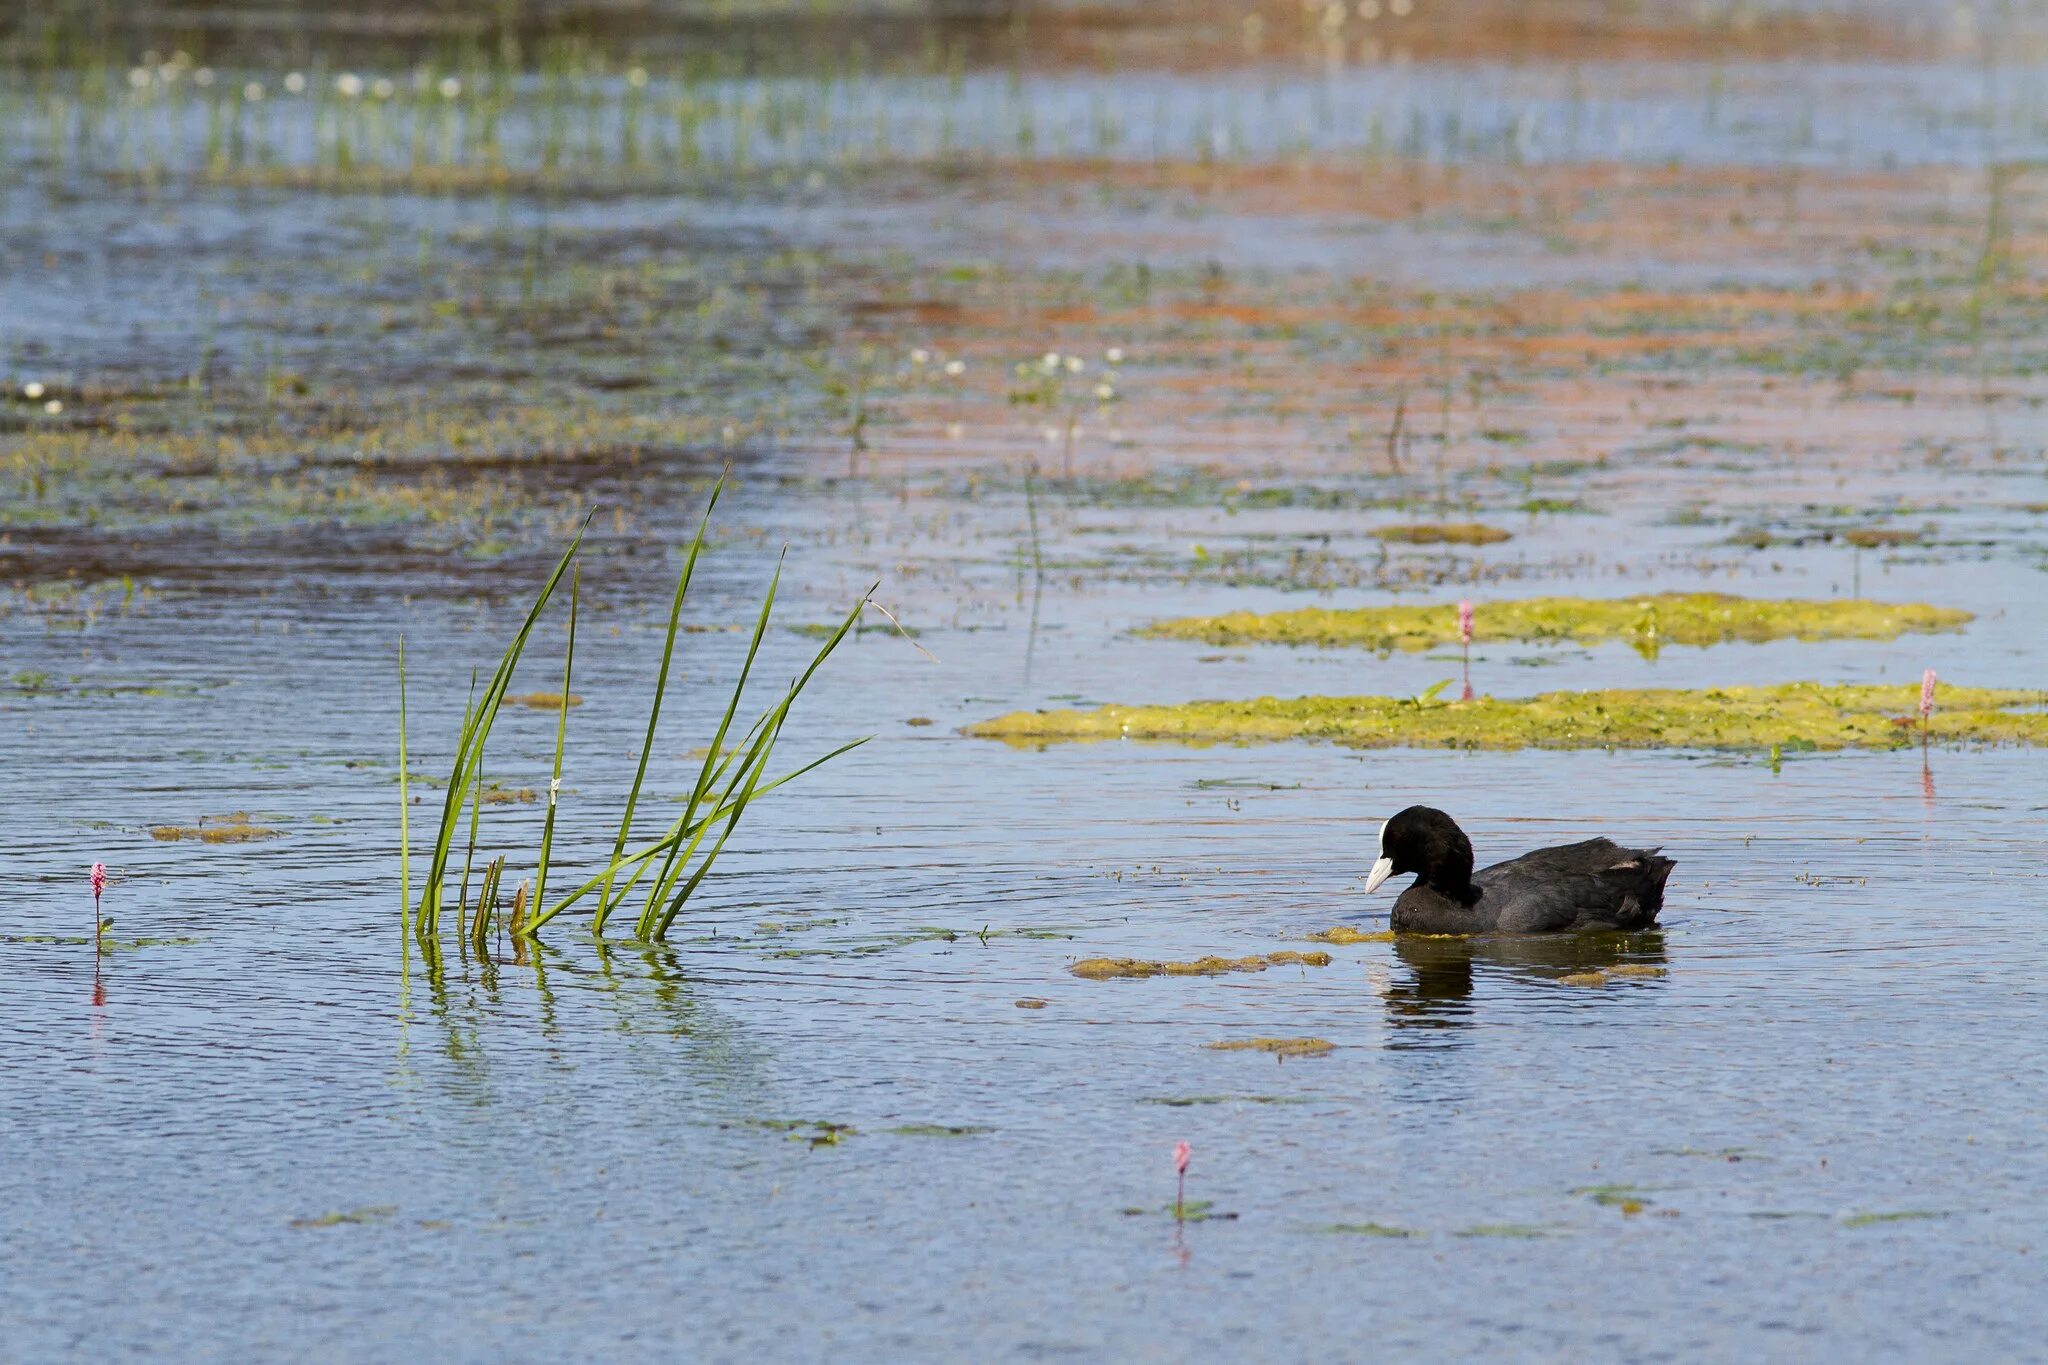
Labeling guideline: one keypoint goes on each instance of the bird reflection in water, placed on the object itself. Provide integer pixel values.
(1437, 991)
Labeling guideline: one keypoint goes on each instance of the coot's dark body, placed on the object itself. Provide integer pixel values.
(1594, 885)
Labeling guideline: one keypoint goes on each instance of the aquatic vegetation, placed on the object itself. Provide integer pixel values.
(1108, 968)
(1365, 1230)
(99, 886)
(1195, 1211)
(728, 781)
(1628, 1198)
(939, 1130)
(1189, 1101)
(816, 1132)
(1642, 971)
(1344, 933)
(220, 829)
(102, 943)
(545, 701)
(1443, 533)
(1696, 619)
(1865, 1220)
(371, 1213)
(1510, 1231)
(1788, 715)
(1592, 978)
(1279, 1047)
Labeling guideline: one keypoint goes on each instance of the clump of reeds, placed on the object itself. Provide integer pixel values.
(731, 778)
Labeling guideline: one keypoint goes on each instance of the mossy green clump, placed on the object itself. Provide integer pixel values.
(216, 829)
(1111, 968)
(1443, 533)
(1344, 933)
(1279, 1047)
(1673, 618)
(1789, 716)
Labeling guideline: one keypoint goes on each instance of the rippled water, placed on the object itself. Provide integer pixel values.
(1827, 1109)
(859, 1107)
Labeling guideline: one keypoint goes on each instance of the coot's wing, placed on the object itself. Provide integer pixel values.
(1589, 885)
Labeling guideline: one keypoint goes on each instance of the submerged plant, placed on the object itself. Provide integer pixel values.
(730, 779)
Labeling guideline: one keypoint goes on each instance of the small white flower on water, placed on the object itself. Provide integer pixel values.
(33, 390)
(1105, 392)
(53, 407)
(203, 77)
(956, 367)
(138, 78)
(449, 87)
(295, 83)
(919, 355)
(1114, 355)
(1075, 364)
(1052, 436)
(1050, 361)
(169, 72)
(253, 91)
(637, 77)
(382, 88)
(348, 85)
(954, 431)
(731, 433)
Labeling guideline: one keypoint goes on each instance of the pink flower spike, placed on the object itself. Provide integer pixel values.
(1926, 695)
(99, 881)
(1181, 1153)
(1465, 621)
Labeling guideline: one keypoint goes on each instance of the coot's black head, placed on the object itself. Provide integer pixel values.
(1427, 842)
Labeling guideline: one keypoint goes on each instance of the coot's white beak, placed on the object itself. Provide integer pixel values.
(1381, 870)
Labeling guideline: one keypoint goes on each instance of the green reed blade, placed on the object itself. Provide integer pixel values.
(732, 706)
(607, 901)
(756, 762)
(404, 809)
(655, 850)
(547, 834)
(476, 728)
(739, 808)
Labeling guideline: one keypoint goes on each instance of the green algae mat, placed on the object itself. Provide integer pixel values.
(1691, 618)
(1791, 716)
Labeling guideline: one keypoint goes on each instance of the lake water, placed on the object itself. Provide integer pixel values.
(858, 1106)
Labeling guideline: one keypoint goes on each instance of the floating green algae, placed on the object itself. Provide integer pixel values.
(1110, 968)
(1692, 618)
(1864, 1220)
(1442, 533)
(1344, 933)
(1787, 715)
(1279, 1047)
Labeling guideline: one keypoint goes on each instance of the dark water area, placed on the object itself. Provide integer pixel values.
(858, 1105)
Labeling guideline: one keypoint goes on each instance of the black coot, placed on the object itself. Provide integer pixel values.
(1597, 884)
